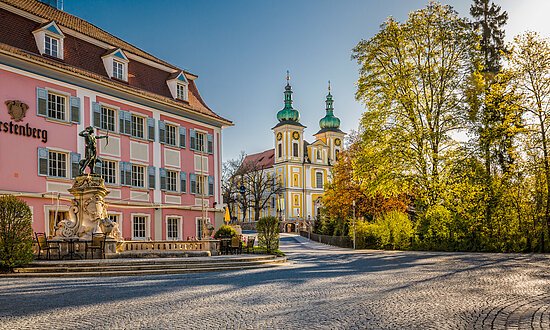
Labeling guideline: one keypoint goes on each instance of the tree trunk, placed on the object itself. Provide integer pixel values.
(547, 177)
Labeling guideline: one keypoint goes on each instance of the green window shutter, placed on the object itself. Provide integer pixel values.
(128, 173)
(96, 109)
(193, 183)
(210, 185)
(183, 182)
(210, 139)
(128, 122)
(42, 161)
(75, 109)
(183, 136)
(75, 164)
(162, 175)
(162, 131)
(152, 175)
(193, 139)
(41, 102)
(151, 130)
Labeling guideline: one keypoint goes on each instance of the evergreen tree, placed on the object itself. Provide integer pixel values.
(489, 21)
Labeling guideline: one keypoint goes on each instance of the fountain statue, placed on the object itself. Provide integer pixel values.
(88, 213)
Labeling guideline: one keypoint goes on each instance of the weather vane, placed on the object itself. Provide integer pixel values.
(329, 86)
(287, 76)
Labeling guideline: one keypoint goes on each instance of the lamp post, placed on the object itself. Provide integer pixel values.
(353, 203)
(242, 190)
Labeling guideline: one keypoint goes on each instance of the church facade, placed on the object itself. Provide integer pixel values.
(301, 168)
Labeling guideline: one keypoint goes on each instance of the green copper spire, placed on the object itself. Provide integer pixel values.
(288, 113)
(329, 121)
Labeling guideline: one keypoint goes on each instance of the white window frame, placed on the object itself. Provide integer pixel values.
(136, 177)
(104, 124)
(54, 45)
(67, 164)
(115, 171)
(202, 190)
(179, 227)
(108, 63)
(135, 126)
(198, 227)
(172, 183)
(181, 91)
(168, 139)
(147, 226)
(55, 102)
(296, 147)
(201, 142)
(118, 69)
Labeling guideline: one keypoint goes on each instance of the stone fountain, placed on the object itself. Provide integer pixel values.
(88, 213)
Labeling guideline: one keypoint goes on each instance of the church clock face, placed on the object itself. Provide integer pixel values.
(337, 142)
(279, 136)
(295, 135)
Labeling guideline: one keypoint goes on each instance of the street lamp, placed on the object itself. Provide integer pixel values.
(242, 190)
(353, 203)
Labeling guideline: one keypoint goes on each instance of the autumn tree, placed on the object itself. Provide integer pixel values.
(411, 79)
(529, 62)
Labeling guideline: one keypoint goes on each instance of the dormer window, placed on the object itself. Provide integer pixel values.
(51, 46)
(49, 40)
(181, 90)
(178, 86)
(118, 70)
(116, 64)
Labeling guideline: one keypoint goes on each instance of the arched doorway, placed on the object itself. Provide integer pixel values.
(290, 228)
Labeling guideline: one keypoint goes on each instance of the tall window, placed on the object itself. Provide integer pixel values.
(201, 182)
(181, 92)
(51, 46)
(171, 180)
(319, 154)
(56, 106)
(295, 149)
(280, 150)
(57, 164)
(199, 228)
(118, 70)
(172, 228)
(139, 227)
(319, 179)
(201, 141)
(337, 154)
(107, 121)
(137, 126)
(108, 171)
(171, 135)
(138, 176)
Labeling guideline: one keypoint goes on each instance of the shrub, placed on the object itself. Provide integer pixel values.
(391, 230)
(225, 231)
(15, 232)
(268, 233)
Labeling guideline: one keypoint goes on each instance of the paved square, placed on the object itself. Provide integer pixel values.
(321, 288)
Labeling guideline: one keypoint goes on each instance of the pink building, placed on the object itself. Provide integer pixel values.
(162, 162)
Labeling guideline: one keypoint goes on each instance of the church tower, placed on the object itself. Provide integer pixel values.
(289, 158)
(288, 133)
(330, 132)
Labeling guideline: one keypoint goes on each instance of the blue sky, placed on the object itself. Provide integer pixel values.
(241, 49)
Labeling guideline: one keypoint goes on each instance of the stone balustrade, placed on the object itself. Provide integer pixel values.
(204, 245)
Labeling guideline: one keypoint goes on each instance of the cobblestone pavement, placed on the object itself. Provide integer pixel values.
(321, 288)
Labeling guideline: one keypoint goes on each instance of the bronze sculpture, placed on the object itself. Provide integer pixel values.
(90, 153)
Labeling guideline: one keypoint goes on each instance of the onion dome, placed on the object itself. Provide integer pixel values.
(288, 114)
(329, 121)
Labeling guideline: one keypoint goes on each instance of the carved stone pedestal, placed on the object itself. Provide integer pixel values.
(88, 213)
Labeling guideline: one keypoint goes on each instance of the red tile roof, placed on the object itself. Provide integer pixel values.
(261, 160)
(84, 58)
